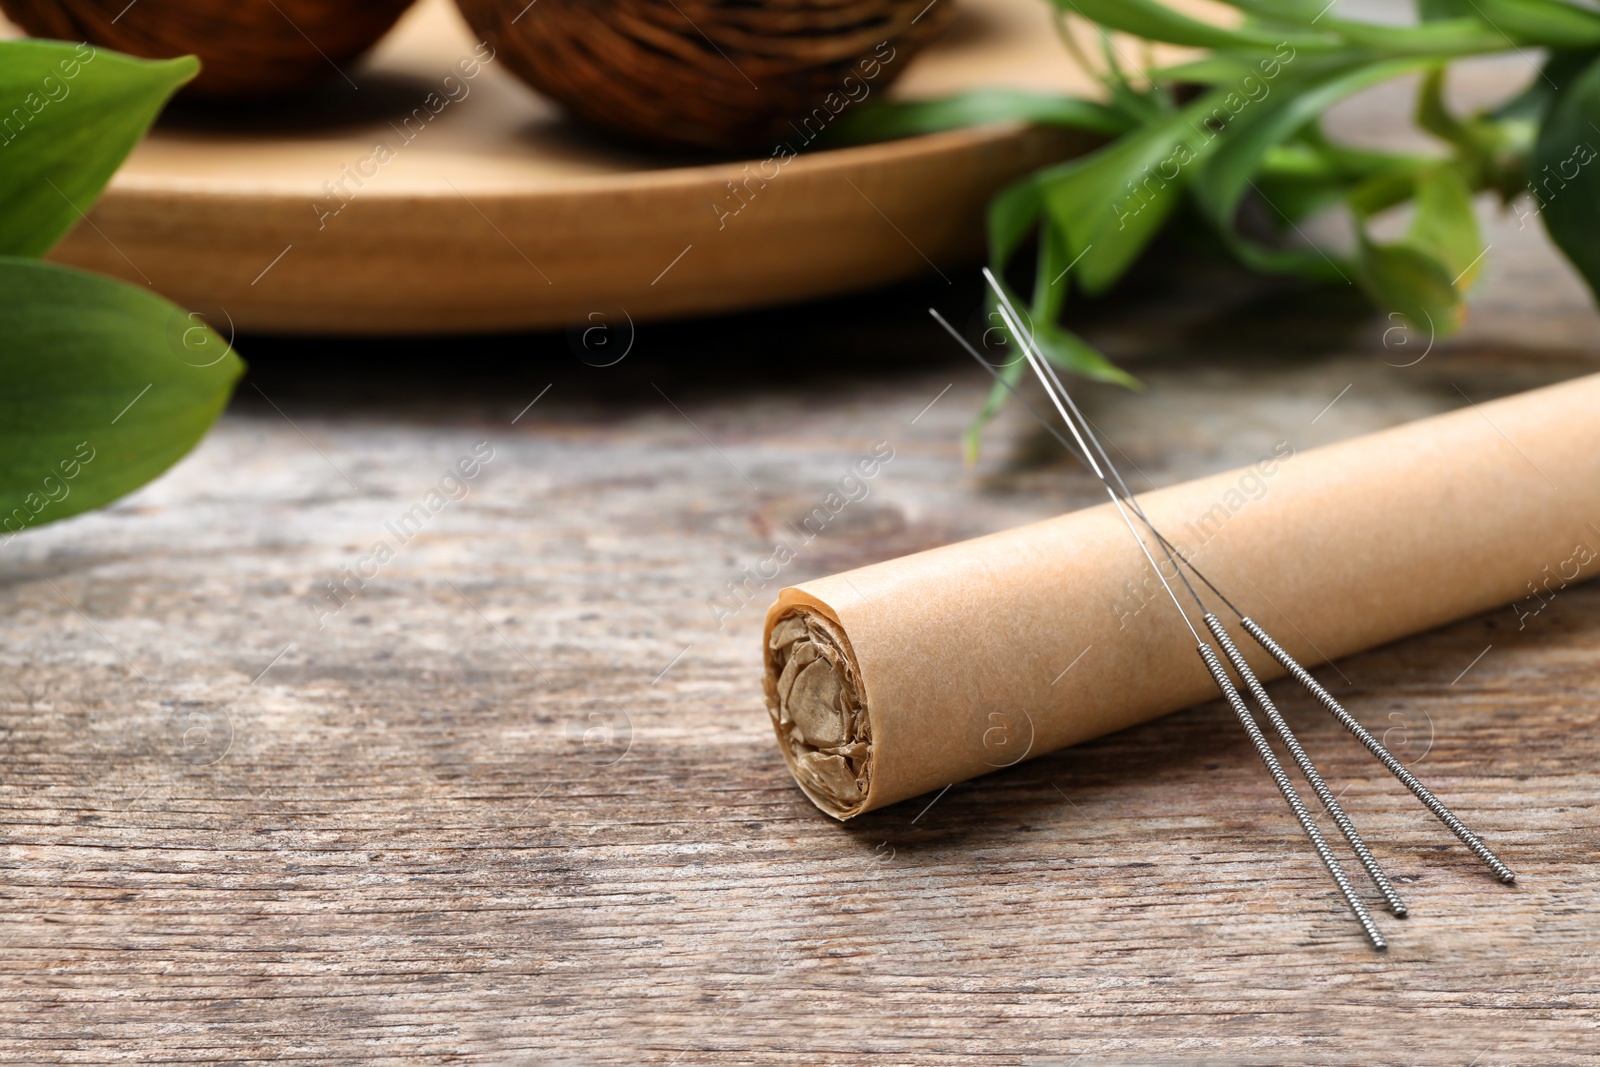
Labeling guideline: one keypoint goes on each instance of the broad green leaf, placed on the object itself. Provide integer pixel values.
(888, 119)
(1013, 212)
(1264, 124)
(1064, 349)
(1444, 31)
(1156, 22)
(1401, 278)
(1072, 353)
(1109, 204)
(1558, 72)
(1445, 225)
(1441, 39)
(1547, 23)
(69, 115)
(102, 387)
(1566, 175)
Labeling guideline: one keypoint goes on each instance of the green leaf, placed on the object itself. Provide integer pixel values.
(102, 387)
(1444, 31)
(972, 439)
(1547, 23)
(1423, 275)
(1143, 106)
(1213, 69)
(69, 115)
(1292, 12)
(1109, 204)
(1050, 281)
(1405, 279)
(1296, 195)
(1261, 126)
(1072, 353)
(1441, 39)
(1445, 225)
(1533, 103)
(1434, 115)
(1302, 177)
(884, 120)
(1566, 177)
(1155, 22)
(1061, 347)
(1385, 189)
(1012, 215)
(1362, 163)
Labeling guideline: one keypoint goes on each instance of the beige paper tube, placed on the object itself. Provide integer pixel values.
(905, 676)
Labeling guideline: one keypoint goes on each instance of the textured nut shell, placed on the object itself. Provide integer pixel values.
(704, 73)
(247, 48)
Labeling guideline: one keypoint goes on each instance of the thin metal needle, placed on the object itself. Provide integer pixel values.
(1208, 655)
(1376, 747)
(1241, 667)
(1308, 769)
(1296, 805)
(1112, 493)
(1304, 677)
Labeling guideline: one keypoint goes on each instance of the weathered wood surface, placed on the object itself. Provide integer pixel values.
(231, 835)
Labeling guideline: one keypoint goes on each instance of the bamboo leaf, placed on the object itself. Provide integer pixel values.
(972, 439)
(1405, 279)
(69, 115)
(1072, 353)
(1108, 205)
(1156, 22)
(1013, 213)
(102, 387)
(884, 120)
(1263, 125)
(1547, 23)
(1566, 177)
(1445, 225)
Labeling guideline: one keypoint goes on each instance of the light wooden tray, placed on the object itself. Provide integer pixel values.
(500, 214)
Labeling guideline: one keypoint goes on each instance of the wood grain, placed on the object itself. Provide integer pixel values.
(227, 835)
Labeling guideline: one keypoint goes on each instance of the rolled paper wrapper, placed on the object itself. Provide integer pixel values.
(905, 676)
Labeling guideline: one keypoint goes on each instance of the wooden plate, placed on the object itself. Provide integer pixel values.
(377, 210)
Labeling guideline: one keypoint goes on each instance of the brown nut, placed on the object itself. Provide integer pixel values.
(719, 74)
(248, 49)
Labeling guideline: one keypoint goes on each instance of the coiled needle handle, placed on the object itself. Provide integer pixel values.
(1313, 777)
(1376, 747)
(1296, 805)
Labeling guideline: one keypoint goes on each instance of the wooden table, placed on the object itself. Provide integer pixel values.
(517, 800)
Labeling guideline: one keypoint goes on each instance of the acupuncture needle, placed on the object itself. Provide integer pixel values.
(1304, 677)
(1390, 762)
(1301, 675)
(1241, 666)
(1219, 674)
